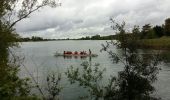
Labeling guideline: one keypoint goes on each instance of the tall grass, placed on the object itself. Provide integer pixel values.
(159, 43)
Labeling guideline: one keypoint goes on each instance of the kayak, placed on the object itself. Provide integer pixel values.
(81, 55)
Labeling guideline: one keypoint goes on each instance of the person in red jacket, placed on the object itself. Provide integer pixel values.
(76, 53)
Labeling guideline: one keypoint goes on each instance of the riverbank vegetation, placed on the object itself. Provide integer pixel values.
(162, 43)
(149, 37)
(12, 86)
(134, 82)
(157, 37)
(33, 39)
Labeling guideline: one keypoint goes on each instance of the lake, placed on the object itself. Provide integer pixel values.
(39, 60)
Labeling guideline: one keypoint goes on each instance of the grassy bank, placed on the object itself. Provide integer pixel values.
(159, 43)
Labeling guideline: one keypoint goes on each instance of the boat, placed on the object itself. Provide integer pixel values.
(76, 55)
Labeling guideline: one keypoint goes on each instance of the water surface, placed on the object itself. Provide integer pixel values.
(40, 61)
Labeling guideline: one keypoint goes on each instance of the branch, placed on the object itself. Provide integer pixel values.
(34, 80)
(26, 15)
(28, 8)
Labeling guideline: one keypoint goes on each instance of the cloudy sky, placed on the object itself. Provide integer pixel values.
(77, 18)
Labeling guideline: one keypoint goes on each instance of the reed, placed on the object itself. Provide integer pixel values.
(159, 43)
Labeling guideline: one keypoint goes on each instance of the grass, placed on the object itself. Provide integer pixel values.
(158, 43)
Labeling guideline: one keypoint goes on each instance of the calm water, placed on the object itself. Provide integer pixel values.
(40, 61)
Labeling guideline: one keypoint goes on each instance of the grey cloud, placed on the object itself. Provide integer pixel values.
(78, 21)
(76, 18)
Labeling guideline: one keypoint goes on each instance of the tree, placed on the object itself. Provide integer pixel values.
(140, 70)
(159, 31)
(167, 26)
(89, 77)
(134, 82)
(53, 86)
(136, 30)
(10, 84)
(35, 38)
(147, 32)
(95, 37)
(146, 28)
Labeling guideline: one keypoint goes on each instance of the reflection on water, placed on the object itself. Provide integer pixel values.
(39, 57)
(76, 57)
(89, 58)
(166, 56)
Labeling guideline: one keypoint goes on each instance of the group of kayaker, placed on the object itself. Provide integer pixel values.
(77, 53)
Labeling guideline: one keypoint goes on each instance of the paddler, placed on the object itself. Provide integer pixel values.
(75, 52)
(89, 52)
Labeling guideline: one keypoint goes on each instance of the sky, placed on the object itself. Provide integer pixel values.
(80, 18)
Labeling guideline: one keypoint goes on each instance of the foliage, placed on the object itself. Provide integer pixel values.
(34, 38)
(159, 31)
(162, 43)
(132, 83)
(135, 81)
(88, 78)
(11, 85)
(167, 27)
(136, 30)
(53, 87)
(147, 32)
(98, 37)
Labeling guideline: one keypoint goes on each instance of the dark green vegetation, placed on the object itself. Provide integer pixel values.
(34, 38)
(156, 37)
(167, 27)
(134, 82)
(162, 43)
(149, 37)
(12, 87)
(152, 32)
(98, 37)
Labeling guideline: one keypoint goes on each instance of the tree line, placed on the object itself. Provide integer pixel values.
(149, 32)
(97, 37)
(146, 32)
(34, 38)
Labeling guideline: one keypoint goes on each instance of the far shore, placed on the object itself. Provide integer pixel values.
(162, 43)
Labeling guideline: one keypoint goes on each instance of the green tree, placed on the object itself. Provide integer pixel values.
(159, 31)
(53, 86)
(147, 32)
(167, 26)
(136, 30)
(35, 38)
(134, 82)
(140, 70)
(96, 37)
(11, 85)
